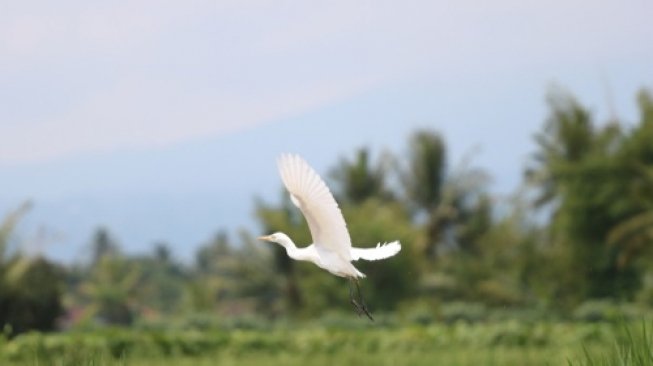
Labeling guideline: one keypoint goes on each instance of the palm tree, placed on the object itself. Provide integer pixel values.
(596, 179)
(425, 178)
(632, 236)
(111, 290)
(424, 181)
(568, 137)
(358, 180)
(634, 233)
(102, 244)
(446, 201)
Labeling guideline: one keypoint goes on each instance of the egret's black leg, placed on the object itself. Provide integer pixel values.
(362, 305)
(353, 301)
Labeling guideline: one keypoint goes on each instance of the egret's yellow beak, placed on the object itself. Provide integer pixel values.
(265, 237)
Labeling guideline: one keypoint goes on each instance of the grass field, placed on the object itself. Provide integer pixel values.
(452, 356)
(501, 355)
(502, 343)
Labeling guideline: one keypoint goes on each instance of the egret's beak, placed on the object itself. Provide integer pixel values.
(266, 238)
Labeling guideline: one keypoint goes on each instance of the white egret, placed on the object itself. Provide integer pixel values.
(331, 249)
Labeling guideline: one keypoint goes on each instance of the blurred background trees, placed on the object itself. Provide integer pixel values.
(580, 229)
(31, 287)
(595, 180)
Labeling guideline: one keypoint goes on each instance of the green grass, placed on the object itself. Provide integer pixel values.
(632, 346)
(505, 343)
(453, 356)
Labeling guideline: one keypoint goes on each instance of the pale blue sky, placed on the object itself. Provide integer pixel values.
(81, 76)
(97, 99)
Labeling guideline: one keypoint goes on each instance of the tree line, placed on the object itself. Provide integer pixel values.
(579, 229)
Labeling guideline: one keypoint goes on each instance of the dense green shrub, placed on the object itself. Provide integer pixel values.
(30, 300)
(606, 310)
(462, 311)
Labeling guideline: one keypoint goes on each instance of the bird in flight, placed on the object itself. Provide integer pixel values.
(331, 249)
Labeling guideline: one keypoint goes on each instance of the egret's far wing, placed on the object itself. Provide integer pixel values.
(312, 196)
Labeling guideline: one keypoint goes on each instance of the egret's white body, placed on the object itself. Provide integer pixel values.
(329, 260)
(331, 249)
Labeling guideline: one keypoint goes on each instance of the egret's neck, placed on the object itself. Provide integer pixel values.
(288, 244)
(291, 249)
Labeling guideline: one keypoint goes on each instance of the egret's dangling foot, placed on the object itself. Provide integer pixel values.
(357, 307)
(360, 304)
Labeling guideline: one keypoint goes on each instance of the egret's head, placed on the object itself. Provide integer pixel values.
(279, 238)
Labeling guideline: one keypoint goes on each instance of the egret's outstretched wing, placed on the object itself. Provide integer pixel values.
(312, 196)
(381, 251)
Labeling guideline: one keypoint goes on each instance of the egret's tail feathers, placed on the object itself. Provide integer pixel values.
(381, 251)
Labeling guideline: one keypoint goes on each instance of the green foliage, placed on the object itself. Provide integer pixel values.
(307, 342)
(598, 179)
(287, 219)
(30, 287)
(161, 281)
(459, 311)
(633, 346)
(233, 279)
(359, 180)
(452, 200)
(465, 253)
(606, 310)
(503, 343)
(102, 245)
(424, 178)
(111, 289)
(33, 300)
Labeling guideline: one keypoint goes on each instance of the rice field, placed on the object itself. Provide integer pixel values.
(506, 343)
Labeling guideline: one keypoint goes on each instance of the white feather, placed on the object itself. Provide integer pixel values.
(311, 195)
(381, 251)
